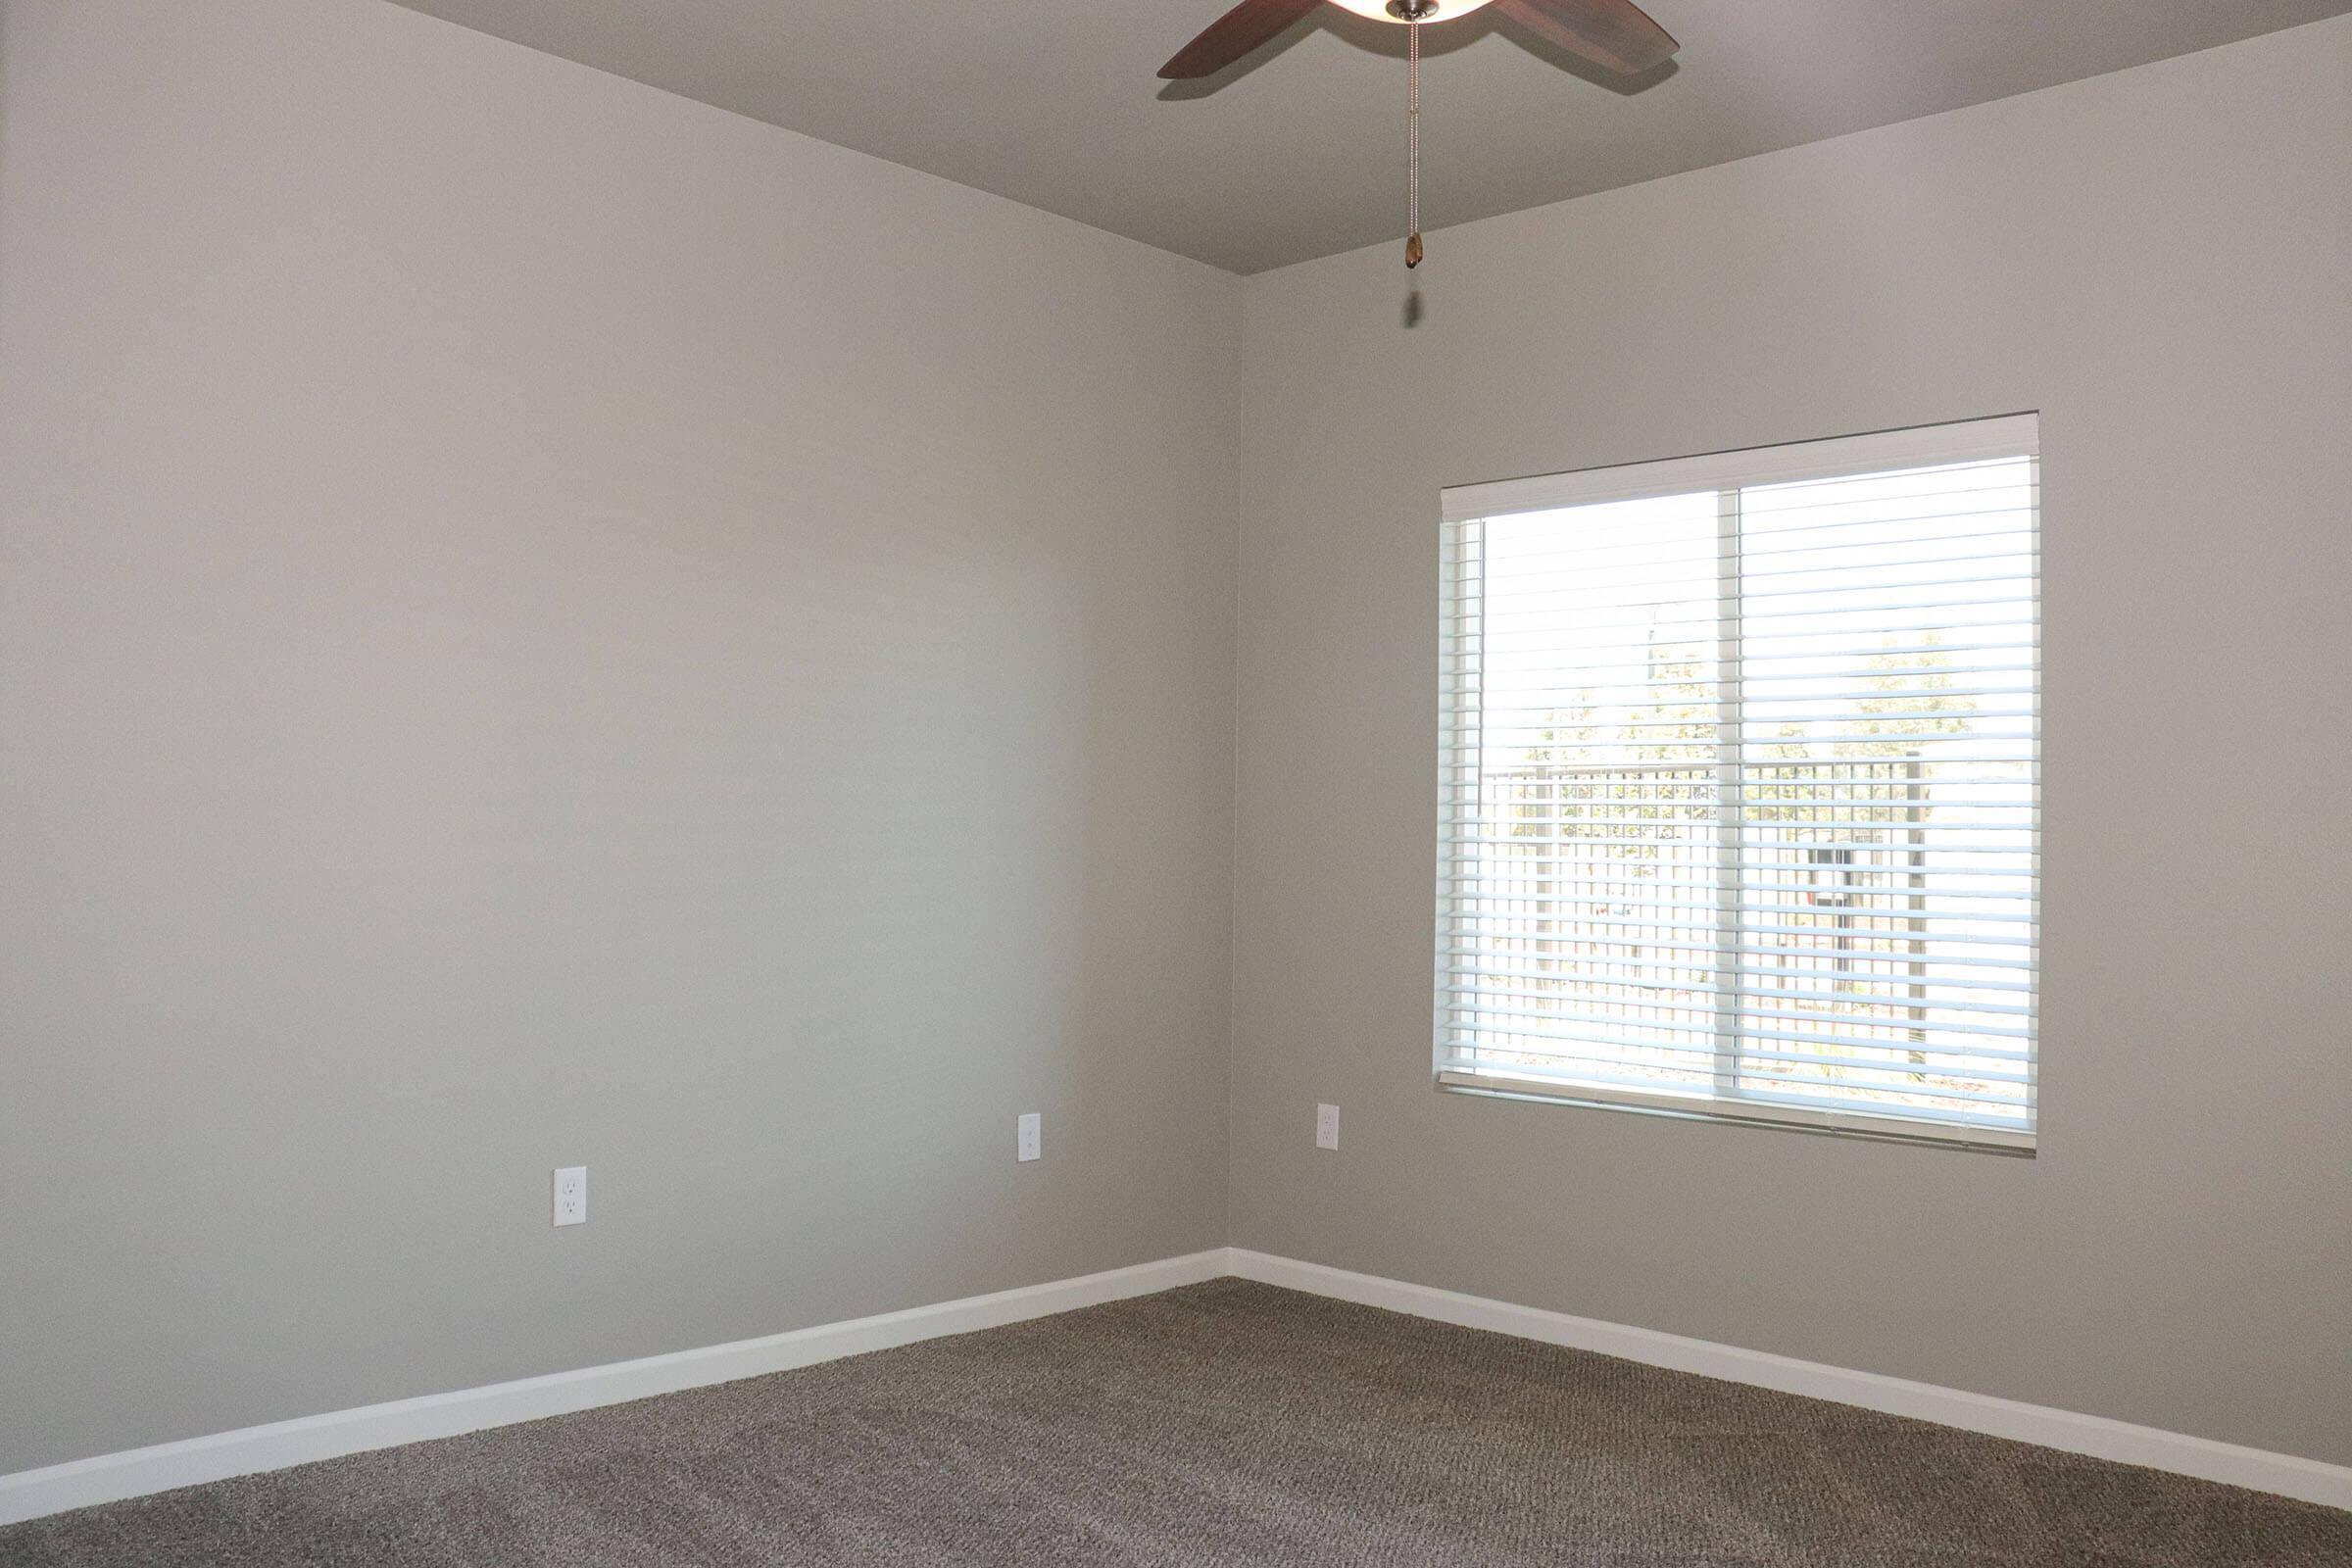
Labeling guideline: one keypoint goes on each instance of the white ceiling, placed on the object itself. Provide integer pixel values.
(1300, 151)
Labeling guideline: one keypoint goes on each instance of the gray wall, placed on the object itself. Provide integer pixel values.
(541, 623)
(2157, 262)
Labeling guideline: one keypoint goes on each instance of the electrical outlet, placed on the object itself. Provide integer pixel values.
(572, 1195)
(1327, 1126)
(1029, 1137)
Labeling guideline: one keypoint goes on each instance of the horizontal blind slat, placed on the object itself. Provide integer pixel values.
(1473, 982)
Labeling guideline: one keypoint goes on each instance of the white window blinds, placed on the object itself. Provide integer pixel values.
(1739, 805)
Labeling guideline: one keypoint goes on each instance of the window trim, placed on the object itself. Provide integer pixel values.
(2006, 435)
(1498, 1084)
(1921, 446)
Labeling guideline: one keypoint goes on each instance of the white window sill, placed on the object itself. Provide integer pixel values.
(1743, 1112)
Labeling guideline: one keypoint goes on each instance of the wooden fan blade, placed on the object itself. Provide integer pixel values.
(1616, 33)
(1233, 35)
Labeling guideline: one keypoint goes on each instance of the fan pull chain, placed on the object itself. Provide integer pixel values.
(1412, 139)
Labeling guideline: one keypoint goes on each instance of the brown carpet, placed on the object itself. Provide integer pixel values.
(1223, 1423)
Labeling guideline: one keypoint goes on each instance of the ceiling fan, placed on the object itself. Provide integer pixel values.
(1615, 35)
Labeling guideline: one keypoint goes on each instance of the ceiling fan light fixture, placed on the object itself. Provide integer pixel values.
(1446, 10)
(1616, 33)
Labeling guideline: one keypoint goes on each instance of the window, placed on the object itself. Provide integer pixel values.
(1738, 804)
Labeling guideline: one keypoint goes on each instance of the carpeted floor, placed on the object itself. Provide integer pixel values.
(1220, 1424)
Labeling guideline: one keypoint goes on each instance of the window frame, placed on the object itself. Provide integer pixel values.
(2015, 435)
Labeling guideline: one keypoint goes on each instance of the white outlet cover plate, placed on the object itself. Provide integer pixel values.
(1029, 1137)
(572, 1195)
(1327, 1126)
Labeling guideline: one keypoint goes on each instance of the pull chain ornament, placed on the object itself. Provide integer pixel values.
(1412, 136)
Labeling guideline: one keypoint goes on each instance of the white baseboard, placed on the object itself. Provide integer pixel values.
(2097, 1437)
(136, 1472)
